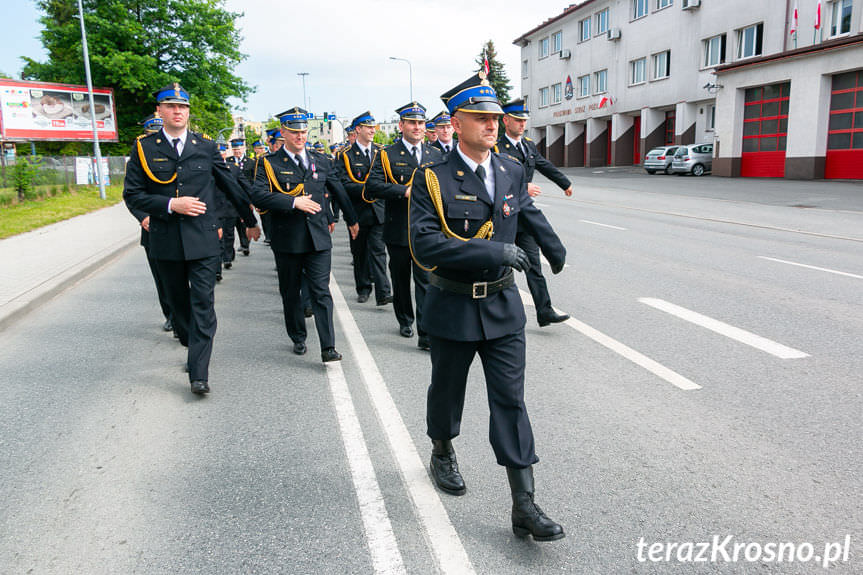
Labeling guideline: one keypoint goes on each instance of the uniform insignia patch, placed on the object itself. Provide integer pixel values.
(160, 159)
(502, 169)
(467, 198)
(194, 142)
(158, 141)
(459, 173)
(506, 210)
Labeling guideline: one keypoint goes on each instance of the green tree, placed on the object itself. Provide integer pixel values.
(138, 46)
(497, 73)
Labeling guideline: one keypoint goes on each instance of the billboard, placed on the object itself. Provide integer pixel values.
(45, 111)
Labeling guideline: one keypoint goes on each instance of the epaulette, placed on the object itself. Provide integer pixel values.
(509, 158)
(378, 146)
(528, 139)
(433, 163)
(203, 136)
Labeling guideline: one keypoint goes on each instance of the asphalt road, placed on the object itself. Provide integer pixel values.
(707, 386)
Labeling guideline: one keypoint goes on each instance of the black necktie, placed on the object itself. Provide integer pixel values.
(176, 146)
(480, 172)
(523, 149)
(299, 160)
(368, 155)
(414, 153)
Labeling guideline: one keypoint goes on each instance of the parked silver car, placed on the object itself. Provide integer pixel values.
(695, 159)
(659, 159)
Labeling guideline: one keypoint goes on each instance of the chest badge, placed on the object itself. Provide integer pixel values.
(314, 171)
(506, 209)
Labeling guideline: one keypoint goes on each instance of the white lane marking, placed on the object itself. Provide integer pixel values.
(725, 329)
(440, 533)
(546, 262)
(386, 558)
(539, 205)
(850, 275)
(603, 225)
(635, 357)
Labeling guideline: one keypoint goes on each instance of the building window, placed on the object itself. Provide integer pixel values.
(660, 4)
(543, 48)
(601, 19)
(711, 118)
(840, 17)
(714, 51)
(662, 65)
(638, 71)
(639, 9)
(524, 68)
(749, 41)
(600, 80)
(583, 86)
(584, 30)
(765, 118)
(556, 42)
(556, 93)
(543, 97)
(526, 107)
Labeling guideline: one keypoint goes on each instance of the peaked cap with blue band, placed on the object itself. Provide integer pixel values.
(474, 95)
(172, 93)
(274, 134)
(364, 119)
(442, 119)
(517, 109)
(152, 123)
(430, 126)
(296, 119)
(238, 143)
(223, 147)
(257, 144)
(412, 111)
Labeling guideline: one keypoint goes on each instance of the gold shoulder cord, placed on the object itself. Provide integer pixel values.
(371, 165)
(146, 168)
(350, 172)
(485, 232)
(274, 183)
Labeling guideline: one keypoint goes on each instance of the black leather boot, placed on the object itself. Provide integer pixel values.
(444, 467)
(527, 517)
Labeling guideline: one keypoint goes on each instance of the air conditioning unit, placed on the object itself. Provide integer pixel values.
(691, 4)
(565, 54)
(614, 34)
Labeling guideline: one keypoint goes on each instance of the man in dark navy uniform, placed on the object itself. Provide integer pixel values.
(175, 176)
(431, 135)
(465, 212)
(239, 159)
(151, 125)
(300, 238)
(444, 132)
(515, 144)
(390, 180)
(368, 249)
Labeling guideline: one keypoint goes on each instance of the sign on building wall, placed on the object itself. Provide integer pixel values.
(46, 111)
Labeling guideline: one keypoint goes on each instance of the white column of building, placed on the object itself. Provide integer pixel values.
(595, 132)
(809, 106)
(651, 120)
(620, 123)
(685, 115)
(571, 132)
(554, 143)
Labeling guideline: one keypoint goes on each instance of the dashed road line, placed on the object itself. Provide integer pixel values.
(445, 543)
(850, 275)
(603, 225)
(627, 352)
(722, 328)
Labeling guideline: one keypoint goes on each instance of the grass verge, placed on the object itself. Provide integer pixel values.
(29, 215)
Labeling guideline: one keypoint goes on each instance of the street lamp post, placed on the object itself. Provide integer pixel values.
(304, 74)
(98, 152)
(410, 73)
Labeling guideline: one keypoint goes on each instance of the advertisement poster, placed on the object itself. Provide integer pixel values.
(31, 111)
(86, 173)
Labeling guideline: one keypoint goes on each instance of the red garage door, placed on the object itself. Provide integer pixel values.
(845, 136)
(765, 128)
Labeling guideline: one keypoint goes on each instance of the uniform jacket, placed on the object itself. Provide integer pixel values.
(437, 144)
(237, 172)
(466, 207)
(388, 184)
(295, 231)
(200, 172)
(534, 161)
(354, 159)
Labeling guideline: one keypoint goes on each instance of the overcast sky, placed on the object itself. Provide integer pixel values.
(345, 47)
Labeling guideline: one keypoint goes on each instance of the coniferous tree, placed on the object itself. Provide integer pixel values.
(497, 73)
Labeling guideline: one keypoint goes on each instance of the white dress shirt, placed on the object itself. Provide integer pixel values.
(489, 172)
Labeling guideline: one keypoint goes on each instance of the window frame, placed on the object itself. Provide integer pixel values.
(632, 68)
(663, 4)
(582, 28)
(757, 41)
(707, 51)
(836, 8)
(654, 58)
(598, 18)
(541, 43)
(583, 81)
(559, 36)
(543, 101)
(597, 76)
(525, 67)
(640, 5)
(556, 93)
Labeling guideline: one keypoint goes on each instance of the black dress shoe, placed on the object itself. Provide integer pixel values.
(300, 348)
(444, 468)
(406, 331)
(552, 317)
(246, 251)
(200, 387)
(423, 343)
(308, 312)
(219, 277)
(362, 298)
(330, 354)
(228, 265)
(386, 300)
(168, 326)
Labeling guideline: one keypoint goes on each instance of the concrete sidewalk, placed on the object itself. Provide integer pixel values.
(39, 264)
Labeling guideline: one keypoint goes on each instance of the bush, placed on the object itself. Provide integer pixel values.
(24, 173)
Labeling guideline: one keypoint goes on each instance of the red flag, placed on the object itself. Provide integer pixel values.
(818, 16)
(485, 65)
(794, 21)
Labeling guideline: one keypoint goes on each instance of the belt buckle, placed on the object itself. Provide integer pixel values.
(479, 290)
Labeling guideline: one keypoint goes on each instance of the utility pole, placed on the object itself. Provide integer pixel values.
(99, 170)
(410, 73)
(303, 74)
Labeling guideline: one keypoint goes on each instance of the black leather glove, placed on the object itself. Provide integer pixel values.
(557, 268)
(515, 257)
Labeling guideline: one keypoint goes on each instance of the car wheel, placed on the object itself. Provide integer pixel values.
(697, 170)
(668, 170)
(651, 172)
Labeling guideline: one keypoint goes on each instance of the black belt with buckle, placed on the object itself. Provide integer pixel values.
(476, 290)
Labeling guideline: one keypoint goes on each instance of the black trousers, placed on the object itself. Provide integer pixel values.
(190, 286)
(503, 362)
(315, 266)
(402, 267)
(160, 287)
(241, 233)
(266, 220)
(535, 280)
(228, 252)
(370, 260)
